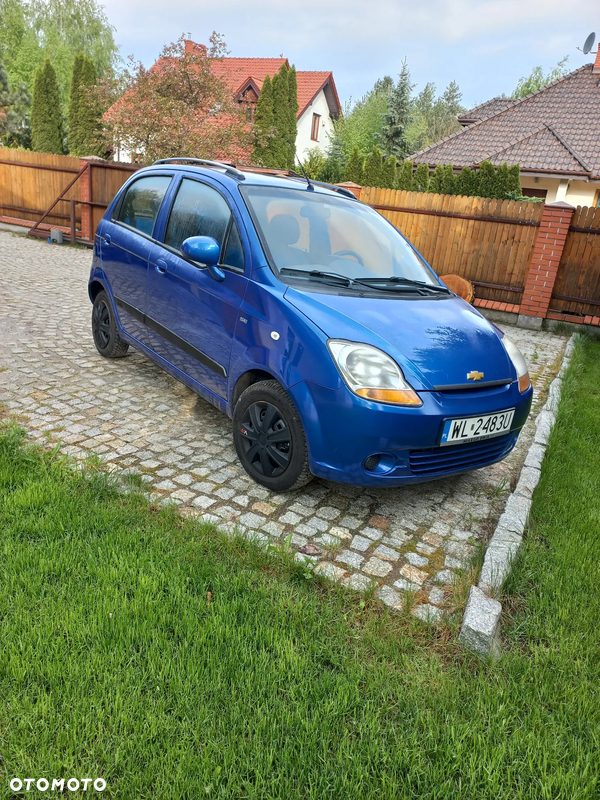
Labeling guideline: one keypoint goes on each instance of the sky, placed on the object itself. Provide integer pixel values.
(484, 45)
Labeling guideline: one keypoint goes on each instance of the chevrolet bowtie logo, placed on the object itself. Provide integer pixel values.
(475, 376)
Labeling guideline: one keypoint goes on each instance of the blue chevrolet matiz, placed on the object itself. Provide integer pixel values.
(308, 319)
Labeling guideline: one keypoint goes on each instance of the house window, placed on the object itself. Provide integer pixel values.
(314, 133)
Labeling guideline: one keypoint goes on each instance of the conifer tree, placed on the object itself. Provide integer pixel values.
(74, 103)
(514, 179)
(374, 168)
(355, 168)
(389, 177)
(435, 182)
(394, 135)
(502, 181)
(448, 180)
(293, 114)
(279, 145)
(421, 178)
(487, 179)
(263, 125)
(405, 178)
(466, 183)
(46, 115)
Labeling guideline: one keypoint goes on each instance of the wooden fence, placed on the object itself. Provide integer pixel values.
(500, 246)
(30, 184)
(489, 242)
(577, 286)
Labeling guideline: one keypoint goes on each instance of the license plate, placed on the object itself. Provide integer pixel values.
(468, 429)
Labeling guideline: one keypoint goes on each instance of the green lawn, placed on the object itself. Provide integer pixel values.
(116, 662)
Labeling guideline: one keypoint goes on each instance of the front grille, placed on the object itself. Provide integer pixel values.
(455, 458)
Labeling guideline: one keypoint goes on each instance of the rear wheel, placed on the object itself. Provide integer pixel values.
(104, 328)
(269, 437)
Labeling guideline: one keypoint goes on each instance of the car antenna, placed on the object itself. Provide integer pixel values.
(310, 185)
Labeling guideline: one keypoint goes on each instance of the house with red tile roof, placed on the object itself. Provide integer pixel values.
(318, 101)
(553, 134)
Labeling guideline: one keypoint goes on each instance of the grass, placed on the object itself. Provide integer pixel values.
(173, 662)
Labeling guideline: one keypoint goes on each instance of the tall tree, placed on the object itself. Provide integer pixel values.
(181, 108)
(448, 180)
(263, 125)
(46, 116)
(360, 123)
(434, 118)
(373, 168)
(405, 178)
(421, 178)
(15, 130)
(537, 79)
(33, 30)
(389, 175)
(436, 180)
(85, 111)
(293, 114)
(487, 179)
(279, 145)
(355, 168)
(394, 134)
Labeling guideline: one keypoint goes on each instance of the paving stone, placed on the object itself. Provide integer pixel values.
(360, 583)
(386, 552)
(140, 418)
(406, 586)
(375, 566)
(350, 558)
(427, 613)
(360, 543)
(416, 560)
(436, 596)
(413, 574)
(329, 570)
(327, 540)
(390, 597)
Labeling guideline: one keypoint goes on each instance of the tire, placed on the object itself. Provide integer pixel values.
(278, 460)
(104, 329)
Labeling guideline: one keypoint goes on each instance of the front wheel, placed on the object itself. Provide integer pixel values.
(269, 437)
(104, 328)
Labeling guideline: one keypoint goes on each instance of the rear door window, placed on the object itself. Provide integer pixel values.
(141, 203)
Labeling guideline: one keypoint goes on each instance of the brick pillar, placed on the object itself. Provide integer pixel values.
(543, 267)
(352, 187)
(85, 195)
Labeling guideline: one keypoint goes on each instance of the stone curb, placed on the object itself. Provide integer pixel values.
(480, 627)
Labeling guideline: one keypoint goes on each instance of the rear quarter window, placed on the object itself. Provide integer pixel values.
(141, 203)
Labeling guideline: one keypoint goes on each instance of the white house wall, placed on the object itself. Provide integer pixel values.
(576, 193)
(303, 140)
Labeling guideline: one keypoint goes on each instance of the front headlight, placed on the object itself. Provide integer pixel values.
(372, 374)
(519, 363)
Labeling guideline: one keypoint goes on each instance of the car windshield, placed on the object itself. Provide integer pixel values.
(308, 231)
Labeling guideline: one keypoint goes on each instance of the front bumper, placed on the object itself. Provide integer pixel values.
(343, 430)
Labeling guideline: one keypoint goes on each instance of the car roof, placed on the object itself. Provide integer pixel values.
(247, 176)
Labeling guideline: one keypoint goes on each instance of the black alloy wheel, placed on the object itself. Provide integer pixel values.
(104, 329)
(269, 437)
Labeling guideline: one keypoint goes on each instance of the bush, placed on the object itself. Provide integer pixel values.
(374, 168)
(405, 178)
(487, 179)
(436, 180)
(355, 168)
(421, 178)
(47, 134)
(448, 180)
(389, 177)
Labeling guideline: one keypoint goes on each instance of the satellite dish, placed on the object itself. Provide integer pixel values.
(589, 43)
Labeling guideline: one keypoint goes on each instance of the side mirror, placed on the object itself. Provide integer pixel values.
(203, 249)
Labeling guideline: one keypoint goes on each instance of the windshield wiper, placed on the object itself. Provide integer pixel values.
(349, 282)
(396, 280)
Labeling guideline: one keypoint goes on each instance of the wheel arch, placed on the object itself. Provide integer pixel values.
(94, 288)
(248, 378)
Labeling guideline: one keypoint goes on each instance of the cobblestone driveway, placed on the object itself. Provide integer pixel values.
(138, 418)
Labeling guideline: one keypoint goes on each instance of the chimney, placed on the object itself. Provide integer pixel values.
(192, 47)
(596, 67)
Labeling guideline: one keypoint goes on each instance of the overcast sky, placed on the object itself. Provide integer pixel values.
(484, 45)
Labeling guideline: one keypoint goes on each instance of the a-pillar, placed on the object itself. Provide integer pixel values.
(543, 267)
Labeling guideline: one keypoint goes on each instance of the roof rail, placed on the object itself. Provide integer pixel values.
(229, 170)
(334, 188)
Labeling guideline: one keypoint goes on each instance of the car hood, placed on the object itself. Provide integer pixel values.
(436, 341)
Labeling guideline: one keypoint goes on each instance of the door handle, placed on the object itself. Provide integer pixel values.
(161, 266)
(106, 239)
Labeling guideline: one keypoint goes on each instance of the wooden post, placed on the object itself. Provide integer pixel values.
(73, 233)
(85, 183)
(543, 267)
